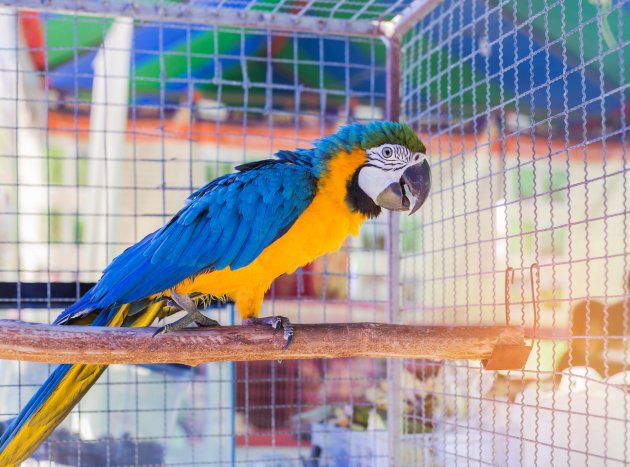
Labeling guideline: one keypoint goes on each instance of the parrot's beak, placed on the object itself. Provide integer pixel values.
(417, 179)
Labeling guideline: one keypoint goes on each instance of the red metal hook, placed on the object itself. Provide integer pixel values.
(508, 281)
(508, 356)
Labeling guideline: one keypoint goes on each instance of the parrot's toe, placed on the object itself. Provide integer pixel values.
(160, 330)
(200, 320)
(203, 321)
(288, 332)
(176, 325)
(193, 315)
(276, 322)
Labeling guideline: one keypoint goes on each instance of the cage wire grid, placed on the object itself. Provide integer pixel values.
(528, 167)
(96, 186)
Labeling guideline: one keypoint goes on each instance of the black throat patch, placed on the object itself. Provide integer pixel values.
(358, 200)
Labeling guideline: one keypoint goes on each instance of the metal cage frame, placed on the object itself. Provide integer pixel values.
(389, 31)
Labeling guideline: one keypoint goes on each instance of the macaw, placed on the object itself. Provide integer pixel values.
(232, 238)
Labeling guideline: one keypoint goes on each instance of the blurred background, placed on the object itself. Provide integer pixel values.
(110, 117)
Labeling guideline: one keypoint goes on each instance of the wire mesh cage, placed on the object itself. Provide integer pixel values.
(524, 108)
(112, 113)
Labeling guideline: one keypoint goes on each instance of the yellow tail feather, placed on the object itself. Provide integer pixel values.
(67, 393)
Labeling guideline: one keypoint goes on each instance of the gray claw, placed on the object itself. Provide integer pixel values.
(204, 322)
(193, 315)
(288, 335)
(276, 322)
(160, 330)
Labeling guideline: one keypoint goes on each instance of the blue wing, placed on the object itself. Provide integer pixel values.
(229, 222)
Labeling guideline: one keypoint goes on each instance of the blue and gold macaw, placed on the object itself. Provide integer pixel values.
(232, 239)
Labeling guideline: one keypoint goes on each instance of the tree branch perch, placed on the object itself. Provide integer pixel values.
(81, 344)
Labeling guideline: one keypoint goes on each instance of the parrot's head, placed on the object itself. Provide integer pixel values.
(394, 172)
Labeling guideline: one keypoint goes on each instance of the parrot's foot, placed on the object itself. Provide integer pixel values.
(276, 322)
(193, 315)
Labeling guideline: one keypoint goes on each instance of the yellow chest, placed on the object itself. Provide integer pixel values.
(322, 228)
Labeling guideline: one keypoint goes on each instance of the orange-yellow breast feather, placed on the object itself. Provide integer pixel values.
(322, 228)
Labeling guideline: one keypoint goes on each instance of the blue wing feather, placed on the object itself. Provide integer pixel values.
(228, 222)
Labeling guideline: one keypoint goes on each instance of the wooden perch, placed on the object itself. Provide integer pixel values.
(81, 344)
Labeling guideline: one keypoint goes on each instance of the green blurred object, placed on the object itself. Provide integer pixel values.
(69, 36)
(172, 59)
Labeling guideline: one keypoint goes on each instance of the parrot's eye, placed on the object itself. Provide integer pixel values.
(387, 152)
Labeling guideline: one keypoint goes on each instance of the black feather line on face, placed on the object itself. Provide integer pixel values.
(357, 200)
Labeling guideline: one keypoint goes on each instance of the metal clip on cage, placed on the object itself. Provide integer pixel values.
(514, 357)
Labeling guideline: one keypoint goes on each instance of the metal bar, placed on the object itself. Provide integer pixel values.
(410, 16)
(394, 367)
(200, 14)
(52, 294)
(102, 345)
(40, 294)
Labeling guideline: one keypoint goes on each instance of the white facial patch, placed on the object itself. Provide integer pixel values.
(385, 165)
(373, 180)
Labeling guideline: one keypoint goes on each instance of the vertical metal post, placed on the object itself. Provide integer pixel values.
(394, 366)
